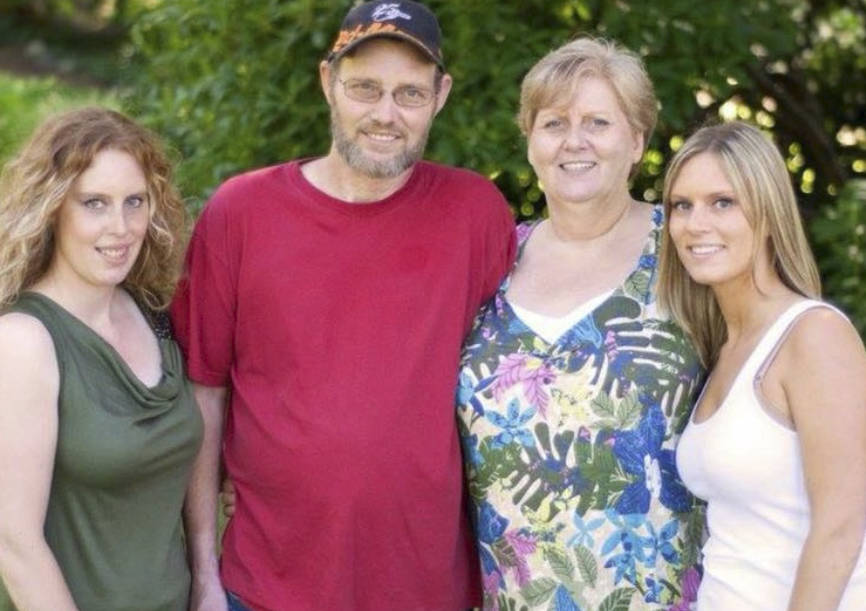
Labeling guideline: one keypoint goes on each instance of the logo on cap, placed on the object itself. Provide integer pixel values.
(389, 12)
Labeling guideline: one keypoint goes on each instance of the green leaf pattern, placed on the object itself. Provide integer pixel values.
(548, 490)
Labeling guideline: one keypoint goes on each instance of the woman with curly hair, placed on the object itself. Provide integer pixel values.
(98, 426)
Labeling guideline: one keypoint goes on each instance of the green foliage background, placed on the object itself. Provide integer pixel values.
(233, 85)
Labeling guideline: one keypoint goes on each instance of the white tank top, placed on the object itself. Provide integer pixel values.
(748, 467)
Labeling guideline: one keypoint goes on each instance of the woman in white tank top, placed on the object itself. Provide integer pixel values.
(777, 440)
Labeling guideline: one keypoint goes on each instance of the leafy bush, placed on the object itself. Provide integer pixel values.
(234, 84)
(27, 101)
(839, 236)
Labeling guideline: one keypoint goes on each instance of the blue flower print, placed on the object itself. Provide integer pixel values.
(511, 426)
(491, 525)
(562, 601)
(625, 566)
(466, 392)
(661, 543)
(488, 562)
(647, 262)
(640, 453)
(653, 589)
(629, 541)
(583, 536)
(584, 332)
(470, 450)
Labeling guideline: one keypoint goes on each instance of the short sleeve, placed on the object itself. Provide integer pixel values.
(501, 242)
(204, 306)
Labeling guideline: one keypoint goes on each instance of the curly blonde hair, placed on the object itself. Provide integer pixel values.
(35, 183)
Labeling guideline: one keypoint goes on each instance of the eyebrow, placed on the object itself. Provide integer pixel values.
(96, 194)
(713, 195)
(365, 79)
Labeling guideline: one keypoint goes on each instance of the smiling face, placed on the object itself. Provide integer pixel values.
(101, 224)
(382, 139)
(708, 226)
(583, 151)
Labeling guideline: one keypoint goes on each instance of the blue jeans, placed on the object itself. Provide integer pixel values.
(235, 603)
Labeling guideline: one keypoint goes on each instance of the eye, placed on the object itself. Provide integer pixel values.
(410, 95)
(363, 90)
(723, 202)
(136, 201)
(596, 123)
(681, 205)
(553, 123)
(94, 203)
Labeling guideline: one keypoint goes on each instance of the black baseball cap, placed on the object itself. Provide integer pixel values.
(404, 20)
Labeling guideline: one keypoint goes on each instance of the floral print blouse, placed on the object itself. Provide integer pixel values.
(569, 452)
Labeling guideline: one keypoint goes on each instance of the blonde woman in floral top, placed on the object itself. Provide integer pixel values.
(574, 388)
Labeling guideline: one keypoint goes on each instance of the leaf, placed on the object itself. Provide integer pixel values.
(538, 591)
(618, 600)
(587, 565)
(628, 411)
(637, 285)
(604, 459)
(602, 406)
(561, 564)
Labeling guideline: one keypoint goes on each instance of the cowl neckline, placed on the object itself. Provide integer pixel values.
(161, 395)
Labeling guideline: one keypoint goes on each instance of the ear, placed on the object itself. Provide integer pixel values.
(325, 69)
(637, 152)
(444, 90)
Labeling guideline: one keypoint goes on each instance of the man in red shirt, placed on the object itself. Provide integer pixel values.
(322, 313)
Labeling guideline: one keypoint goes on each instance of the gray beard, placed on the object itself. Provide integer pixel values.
(355, 158)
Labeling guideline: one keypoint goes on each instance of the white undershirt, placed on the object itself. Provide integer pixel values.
(551, 328)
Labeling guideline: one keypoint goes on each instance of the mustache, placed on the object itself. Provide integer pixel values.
(372, 125)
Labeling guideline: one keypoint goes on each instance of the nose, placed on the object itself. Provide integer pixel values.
(697, 219)
(385, 110)
(575, 138)
(118, 223)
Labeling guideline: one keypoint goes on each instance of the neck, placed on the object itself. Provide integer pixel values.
(331, 175)
(590, 221)
(750, 304)
(92, 305)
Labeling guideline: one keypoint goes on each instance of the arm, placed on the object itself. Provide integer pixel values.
(826, 393)
(200, 508)
(29, 386)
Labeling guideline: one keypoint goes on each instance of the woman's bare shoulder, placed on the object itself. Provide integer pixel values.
(24, 342)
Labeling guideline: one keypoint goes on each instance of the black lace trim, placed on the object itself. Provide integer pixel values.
(159, 322)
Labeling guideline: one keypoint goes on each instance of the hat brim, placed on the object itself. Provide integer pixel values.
(333, 56)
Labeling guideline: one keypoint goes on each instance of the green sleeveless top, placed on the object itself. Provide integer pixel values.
(124, 454)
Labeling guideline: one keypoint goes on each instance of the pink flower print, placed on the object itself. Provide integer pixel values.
(491, 583)
(533, 373)
(522, 545)
(689, 588)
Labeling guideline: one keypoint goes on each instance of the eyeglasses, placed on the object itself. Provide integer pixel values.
(370, 92)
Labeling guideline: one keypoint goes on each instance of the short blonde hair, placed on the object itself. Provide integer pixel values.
(761, 183)
(34, 184)
(557, 75)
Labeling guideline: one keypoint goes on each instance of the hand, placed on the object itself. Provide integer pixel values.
(227, 498)
(208, 596)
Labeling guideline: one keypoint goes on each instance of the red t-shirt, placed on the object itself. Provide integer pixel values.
(338, 327)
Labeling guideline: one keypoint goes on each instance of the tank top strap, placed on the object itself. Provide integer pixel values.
(772, 340)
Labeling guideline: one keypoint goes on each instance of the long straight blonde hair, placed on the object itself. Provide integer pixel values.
(757, 172)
